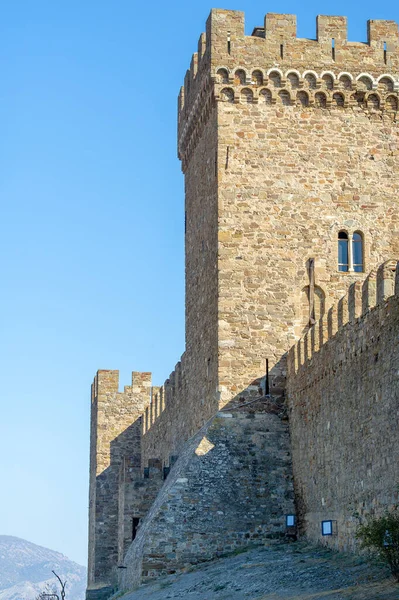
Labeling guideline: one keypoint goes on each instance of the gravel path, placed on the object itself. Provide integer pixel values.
(293, 571)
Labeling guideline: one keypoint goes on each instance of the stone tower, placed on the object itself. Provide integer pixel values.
(290, 150)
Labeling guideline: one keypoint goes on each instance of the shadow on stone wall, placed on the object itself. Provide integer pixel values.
(235, 476)
(170, 420)
(231, 487)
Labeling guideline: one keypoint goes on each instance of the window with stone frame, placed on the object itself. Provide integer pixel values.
(343, 251)
(357, 252)
(350, 252)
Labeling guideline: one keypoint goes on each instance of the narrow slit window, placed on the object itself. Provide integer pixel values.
(357, 252)
(135, 525)
(228, 43)
(343, 251)
(281, 50)
(385, 52)
(333, 48)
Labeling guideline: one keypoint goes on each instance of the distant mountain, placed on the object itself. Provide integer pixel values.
(25, 571)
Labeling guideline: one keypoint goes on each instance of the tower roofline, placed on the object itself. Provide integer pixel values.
(276, 46)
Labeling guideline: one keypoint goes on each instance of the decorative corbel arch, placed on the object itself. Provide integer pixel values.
(220, 68)
(240, 68)
(328, 73)
(344, 74)
(263, 73)
(284, 94)
(246, 95)
(386, 76)
(367, 76)
(292, 71)
(371, 93)
(310, 72)
(275, 70)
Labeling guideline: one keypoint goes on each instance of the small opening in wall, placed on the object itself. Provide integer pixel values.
(343, 251)
(329, 527)
(290, 521)
(135, 526)
(185, 222)
(208, 368)
(333, 48)
(228, 43)
(281, 50)
(385, 52)
(357, 252)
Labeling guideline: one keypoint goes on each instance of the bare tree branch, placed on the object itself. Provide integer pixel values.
(62, 585)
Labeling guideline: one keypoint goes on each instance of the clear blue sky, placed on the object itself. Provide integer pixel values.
(91, 228)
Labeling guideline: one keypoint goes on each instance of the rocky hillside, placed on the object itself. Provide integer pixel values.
(295, 571)
(25, 571)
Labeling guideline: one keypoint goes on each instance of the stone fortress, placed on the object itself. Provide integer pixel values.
(290, 151)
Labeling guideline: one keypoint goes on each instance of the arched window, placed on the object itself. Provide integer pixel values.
(357, 252)
(343, 251)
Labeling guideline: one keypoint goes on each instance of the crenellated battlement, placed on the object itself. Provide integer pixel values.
(150, 405)
(342, 406)
(360, 299)
(161, 417)
(106, 383)
(273, 65)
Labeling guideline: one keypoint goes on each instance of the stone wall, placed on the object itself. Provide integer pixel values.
(201, 275)
(231, 487)
(167, 423)
(137, 492)
(343, 391)
(114, 446)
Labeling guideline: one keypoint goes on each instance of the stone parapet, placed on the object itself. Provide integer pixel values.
(273, 56)
(360, 298)
(342, 397)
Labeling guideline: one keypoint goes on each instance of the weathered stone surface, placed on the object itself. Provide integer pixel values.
(100, 593)
(344, 422)
(115, 465)
(231, 486)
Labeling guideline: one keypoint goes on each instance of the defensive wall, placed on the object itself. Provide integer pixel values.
(343, 390)
(136, 435)
(115, 466)
(167, 423)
